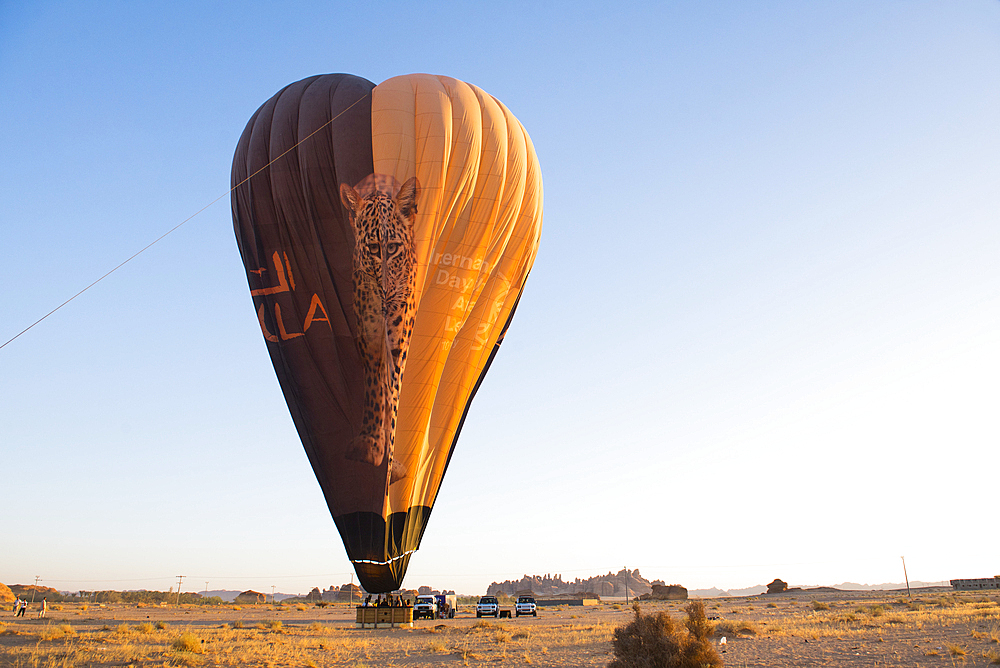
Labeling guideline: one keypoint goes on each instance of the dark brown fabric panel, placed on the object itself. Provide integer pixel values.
(293, 208)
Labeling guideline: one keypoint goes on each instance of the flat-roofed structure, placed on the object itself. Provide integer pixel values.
(976, 583)
(566, 601)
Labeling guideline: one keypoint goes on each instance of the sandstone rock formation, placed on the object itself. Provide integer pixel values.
(6, 595)
(674, 592)
(777, 587)
(612, 584)
(25, 592)
(251, 596)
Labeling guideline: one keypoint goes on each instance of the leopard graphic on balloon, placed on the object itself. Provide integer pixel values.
(387, 233)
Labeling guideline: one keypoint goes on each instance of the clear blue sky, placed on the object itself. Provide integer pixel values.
(761, 338)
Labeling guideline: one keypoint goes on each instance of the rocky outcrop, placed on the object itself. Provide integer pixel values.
(251, 596)
(777, 587)
(674, 592)
(612, 584)
(25, 592)
(6, 595)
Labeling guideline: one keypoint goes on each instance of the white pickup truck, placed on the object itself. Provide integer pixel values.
(435, 606)
(425, 606)
(488, 606)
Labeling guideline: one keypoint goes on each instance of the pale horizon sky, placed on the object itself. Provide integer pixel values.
(761, 338)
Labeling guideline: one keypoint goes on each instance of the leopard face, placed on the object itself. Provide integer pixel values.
(384, 273)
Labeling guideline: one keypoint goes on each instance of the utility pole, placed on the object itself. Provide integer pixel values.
(206, 588)
(352, 590)
(626, 585)
(272, 594)
(35, 588)
(907, 577)
(180, 579)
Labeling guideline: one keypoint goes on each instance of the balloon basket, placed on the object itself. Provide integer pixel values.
(371, 617)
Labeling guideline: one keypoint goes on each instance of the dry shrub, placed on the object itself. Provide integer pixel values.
(992, 657)
(745, 627)
(144, 627)
(658, 640)
(52, 632)
(819, 605)
(437, 646)
(188, 642)
(161, 626)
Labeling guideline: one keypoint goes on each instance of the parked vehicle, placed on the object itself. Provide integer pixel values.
(525, 606)
(435, 606)
(425, 607)
(488, 606)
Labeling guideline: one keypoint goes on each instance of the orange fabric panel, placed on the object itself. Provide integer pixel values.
(477, 229)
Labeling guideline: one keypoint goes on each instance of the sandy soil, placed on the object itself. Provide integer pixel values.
(935, 628)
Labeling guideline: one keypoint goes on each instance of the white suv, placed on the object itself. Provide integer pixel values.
(525, 606)
(488, 606)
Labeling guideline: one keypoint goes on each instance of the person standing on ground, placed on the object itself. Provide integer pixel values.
(44, 608)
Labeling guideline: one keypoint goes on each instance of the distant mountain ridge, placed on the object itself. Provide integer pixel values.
(631, 582)
(757, 590)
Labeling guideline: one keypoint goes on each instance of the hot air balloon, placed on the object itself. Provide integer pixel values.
(387, 232)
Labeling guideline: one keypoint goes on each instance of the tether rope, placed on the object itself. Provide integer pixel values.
(162, 236)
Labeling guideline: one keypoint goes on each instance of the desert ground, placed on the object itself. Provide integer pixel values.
(809, 628)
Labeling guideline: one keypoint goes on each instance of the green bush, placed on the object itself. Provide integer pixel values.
(658, 641)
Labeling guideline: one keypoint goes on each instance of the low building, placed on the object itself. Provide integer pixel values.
(976, 583)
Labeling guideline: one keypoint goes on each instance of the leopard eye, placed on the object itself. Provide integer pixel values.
(375, 249)
(392, 248)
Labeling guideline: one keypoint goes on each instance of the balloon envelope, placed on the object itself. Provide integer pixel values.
(387, 232)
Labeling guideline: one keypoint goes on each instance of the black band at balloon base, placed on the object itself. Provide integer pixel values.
(380, 549)
(382, 578)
